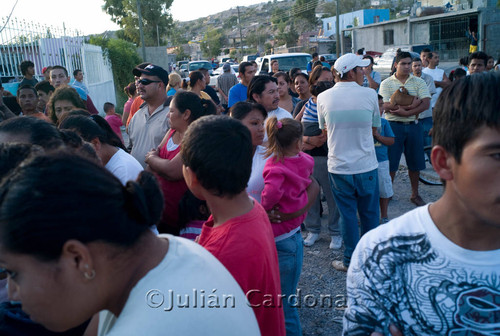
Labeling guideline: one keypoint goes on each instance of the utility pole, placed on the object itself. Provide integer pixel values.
(337, 32)
(241, 37)
(140, 30)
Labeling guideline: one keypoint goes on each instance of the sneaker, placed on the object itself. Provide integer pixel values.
(311, 239)
(339, 265)
(384, 220)
(336, 242)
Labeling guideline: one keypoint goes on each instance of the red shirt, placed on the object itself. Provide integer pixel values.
(245, 246)
(172, 190)
(115, 122)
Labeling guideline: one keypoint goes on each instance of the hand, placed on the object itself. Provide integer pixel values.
(306, 146)
(152, 153)
(274, 215)
(400, 112)
(393, 330)
(367, 71)
(318, 140)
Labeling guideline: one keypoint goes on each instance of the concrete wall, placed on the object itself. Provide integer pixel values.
(372, 38)
(158, 56)
(420, 33)
(490, 33)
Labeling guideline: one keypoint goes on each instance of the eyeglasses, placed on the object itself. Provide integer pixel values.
(146, 81)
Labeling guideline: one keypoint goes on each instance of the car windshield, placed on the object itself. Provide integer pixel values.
(198, 65)
(289, 62)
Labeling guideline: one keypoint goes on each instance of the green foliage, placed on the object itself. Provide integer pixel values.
(279, 15)
(155, 17)
(233, 53)
(230, 22)
(286, 35)
(212, 43)
(345, 6)
(305, 9)
(123, 56)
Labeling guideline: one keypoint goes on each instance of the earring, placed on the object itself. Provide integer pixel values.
(87, 275)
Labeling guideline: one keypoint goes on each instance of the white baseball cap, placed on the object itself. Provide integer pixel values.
(348, 62)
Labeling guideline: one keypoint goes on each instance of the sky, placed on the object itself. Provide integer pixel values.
(88, 17)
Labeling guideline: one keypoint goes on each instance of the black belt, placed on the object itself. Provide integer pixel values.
(404, 122)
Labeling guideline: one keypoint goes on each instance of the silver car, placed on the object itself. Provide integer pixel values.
(384, 63)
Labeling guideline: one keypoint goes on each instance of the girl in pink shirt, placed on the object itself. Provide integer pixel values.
(287, 174)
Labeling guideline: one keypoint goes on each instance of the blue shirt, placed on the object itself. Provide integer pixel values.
(171, 92)
(381, 149)
(236, 94)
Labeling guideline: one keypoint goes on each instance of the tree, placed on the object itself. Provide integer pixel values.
(230, 22)
(212, 42)
(156, 18)
(124, 57)
(305, 9)
(279, 15)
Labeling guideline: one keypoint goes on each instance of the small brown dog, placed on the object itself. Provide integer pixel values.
(401, 97)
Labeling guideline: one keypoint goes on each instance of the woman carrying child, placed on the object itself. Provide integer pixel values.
(287, 174)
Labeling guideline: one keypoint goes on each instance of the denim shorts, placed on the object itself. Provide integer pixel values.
(408, 140)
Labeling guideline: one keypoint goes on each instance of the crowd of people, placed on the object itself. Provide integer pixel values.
(200, 209)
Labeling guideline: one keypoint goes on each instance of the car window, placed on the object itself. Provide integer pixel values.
(265, 65)
(198, 65)
(289, 62)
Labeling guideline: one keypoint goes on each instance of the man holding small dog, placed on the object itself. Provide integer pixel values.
(404, 122)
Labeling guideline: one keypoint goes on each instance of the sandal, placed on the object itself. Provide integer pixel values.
(417, 200)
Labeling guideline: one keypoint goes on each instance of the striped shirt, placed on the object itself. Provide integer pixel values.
(310, 112)
(349, 111)
(225, 82)
(415, 86)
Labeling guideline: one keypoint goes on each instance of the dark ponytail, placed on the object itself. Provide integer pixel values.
(73, 198)
(92, 127)
(186, 100)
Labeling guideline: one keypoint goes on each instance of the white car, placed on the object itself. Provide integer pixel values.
(286, 62)
(217, 72)
(383, 65)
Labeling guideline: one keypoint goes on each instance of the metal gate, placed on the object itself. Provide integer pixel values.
(448, 36)
(47, 46)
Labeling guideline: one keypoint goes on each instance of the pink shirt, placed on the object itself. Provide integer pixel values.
(285, 184)
(115, 122)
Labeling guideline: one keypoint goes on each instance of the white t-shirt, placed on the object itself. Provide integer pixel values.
(188, 275)
(279, 113)
(349, 112)
(408, 273)
(124, 166)
(437, 75)
(256, 181)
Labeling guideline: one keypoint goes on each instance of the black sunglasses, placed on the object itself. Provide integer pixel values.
(146, 81)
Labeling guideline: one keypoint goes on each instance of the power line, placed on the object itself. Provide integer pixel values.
(8, 18)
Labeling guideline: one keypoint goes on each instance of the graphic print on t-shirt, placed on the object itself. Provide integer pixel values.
(405, 282)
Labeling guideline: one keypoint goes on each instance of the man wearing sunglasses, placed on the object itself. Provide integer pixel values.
(150, 123)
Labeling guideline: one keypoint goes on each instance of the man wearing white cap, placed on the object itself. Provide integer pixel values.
(350, 114)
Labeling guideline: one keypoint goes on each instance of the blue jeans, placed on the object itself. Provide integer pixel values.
(313, 219)
(356, 193)
(290, 255)
(426, 127)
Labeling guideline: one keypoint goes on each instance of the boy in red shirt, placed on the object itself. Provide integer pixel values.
(113, 119)
(217, 161)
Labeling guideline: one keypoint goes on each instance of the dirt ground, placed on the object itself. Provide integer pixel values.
(322, 288)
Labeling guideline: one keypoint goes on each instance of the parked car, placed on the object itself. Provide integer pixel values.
(329, 58)
(196, 65)
(286, 62)
(217, 72)
(384, 64)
